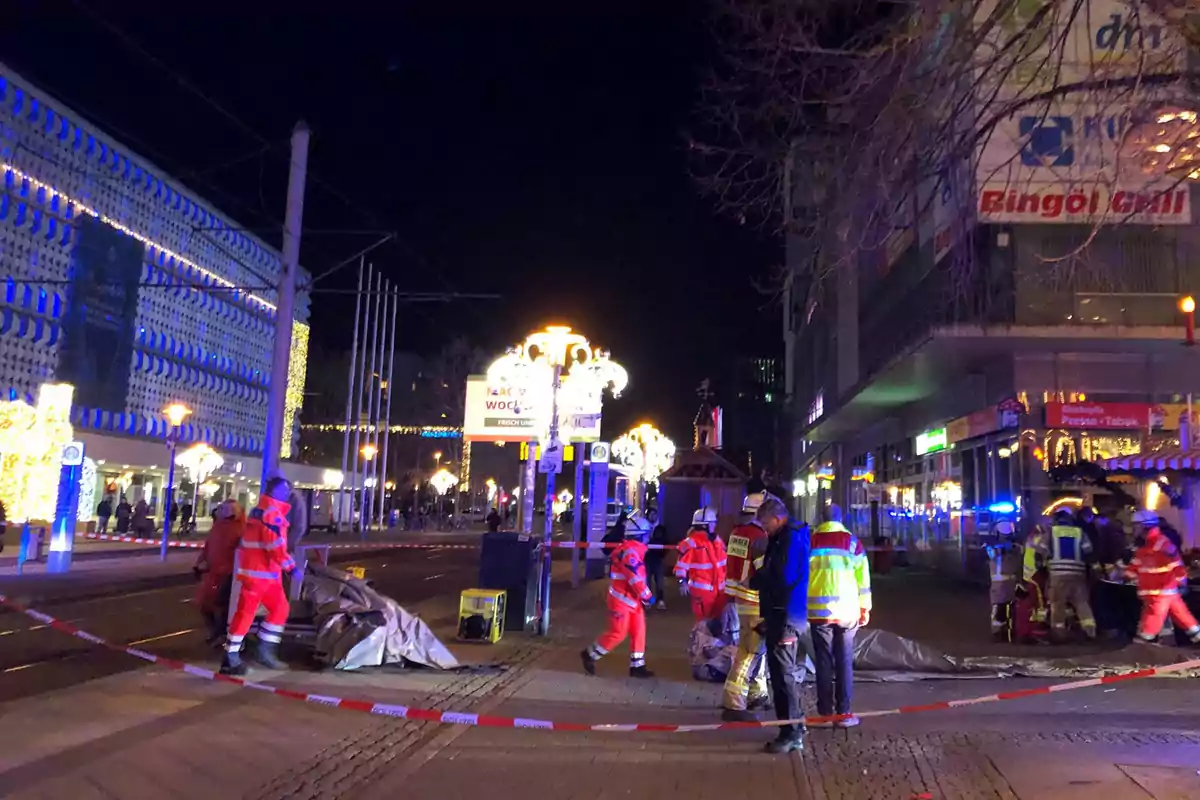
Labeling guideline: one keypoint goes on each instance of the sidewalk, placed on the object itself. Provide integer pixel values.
(158, 734)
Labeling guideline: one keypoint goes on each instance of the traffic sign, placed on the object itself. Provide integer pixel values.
(552, 459)
(600, 451)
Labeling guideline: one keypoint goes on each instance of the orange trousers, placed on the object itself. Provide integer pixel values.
(250, 592)
(624, 622)
(708, 605)
(1156, 608)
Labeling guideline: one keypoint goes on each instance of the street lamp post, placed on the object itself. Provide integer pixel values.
(176, 414)
(368, 452)
(564, 363)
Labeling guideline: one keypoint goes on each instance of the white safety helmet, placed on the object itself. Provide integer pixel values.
(705, 518)
(752, 502)
(1004, 528)
(1147, 518)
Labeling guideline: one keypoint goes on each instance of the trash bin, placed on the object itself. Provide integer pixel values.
(508, 561)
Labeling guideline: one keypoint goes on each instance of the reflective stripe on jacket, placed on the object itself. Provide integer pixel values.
(627, 575)
(262, 552)
(839, 576)
(702, 562)
(1068, 549)
(747, 546)
(1157, 566)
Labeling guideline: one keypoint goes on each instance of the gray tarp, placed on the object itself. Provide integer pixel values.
(881, 656)
(357, 626)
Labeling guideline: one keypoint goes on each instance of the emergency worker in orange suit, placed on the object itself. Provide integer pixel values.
(214, 566)
(628, 597)
(701, 566)
(746, 685)
(262, 558)
(1160, 574)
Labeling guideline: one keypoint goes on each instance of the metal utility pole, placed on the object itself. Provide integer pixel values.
(377, 401)
(342, 505)
(286, 301)
(387, 416)
(548, 531)
(356, 484)
(364, 521)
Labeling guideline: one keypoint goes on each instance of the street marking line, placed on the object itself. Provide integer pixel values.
(164, 636)
(486, 721)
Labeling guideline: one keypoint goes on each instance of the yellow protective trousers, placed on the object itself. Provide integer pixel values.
(747, 679)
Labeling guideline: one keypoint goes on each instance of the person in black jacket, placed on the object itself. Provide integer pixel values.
(656, 559)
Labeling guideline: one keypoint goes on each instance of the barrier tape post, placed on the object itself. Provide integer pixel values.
(482, 720)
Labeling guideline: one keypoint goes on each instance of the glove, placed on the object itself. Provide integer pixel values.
(864, 618)
(648, 601)
(1021, 591)
(683, 589)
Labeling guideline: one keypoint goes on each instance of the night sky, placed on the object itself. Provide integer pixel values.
(540, 156)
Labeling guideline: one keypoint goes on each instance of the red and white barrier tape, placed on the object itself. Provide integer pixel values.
(483, 720)
(104, 537)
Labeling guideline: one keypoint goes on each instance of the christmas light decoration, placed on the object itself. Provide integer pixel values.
(87, 490)
(294, 394)
(31, 444)
(200, 461)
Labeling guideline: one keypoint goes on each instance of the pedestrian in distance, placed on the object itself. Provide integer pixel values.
(104, 513)
(261, 559)
(839, 603)
(493, 521)
(782, 586)
(124, 514)
(628, 595)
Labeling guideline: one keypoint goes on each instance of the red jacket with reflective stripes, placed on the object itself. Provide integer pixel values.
(1157, 566)
(702, 562)
(263, 552)
(627, 571)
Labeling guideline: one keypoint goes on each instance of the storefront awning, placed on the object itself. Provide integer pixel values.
(1177, 460)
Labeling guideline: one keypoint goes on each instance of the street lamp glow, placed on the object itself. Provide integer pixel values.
(177, 413)
(368, 451)
(443, 480)
(1187, 305)
(200, 461)
(646, 451)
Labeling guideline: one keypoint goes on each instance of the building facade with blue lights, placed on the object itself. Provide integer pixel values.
(123, 283)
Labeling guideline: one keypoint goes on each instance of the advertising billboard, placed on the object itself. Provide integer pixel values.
(495, 413)
(1112, 416)
(1085, 155)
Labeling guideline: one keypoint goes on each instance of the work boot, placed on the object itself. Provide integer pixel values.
(589, 663)
(737, 715)
(232, 665)
(640, 672)
(786, 743)
(760, 703)
(267, 654)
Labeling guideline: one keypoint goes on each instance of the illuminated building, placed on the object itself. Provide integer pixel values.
(185, 296)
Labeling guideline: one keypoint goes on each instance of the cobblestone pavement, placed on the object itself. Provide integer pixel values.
(152, 734)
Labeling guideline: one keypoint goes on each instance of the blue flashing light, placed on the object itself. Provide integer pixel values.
(1003, 507)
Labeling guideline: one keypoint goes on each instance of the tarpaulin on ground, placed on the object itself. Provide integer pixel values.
(357, 626)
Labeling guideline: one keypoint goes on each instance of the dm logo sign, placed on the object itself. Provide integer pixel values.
(1047, 141)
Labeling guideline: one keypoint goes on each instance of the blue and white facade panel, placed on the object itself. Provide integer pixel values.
(120, 281)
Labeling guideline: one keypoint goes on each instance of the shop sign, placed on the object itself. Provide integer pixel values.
(993, 418)
(1120, 416)
(931, 441)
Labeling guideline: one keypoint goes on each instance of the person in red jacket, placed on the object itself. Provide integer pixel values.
(262, 558)
(628, 596)
(1160, 573)
(214, 566)
(701, 566)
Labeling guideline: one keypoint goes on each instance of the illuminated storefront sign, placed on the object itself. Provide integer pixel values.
(1118, 416)
(931, 441)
